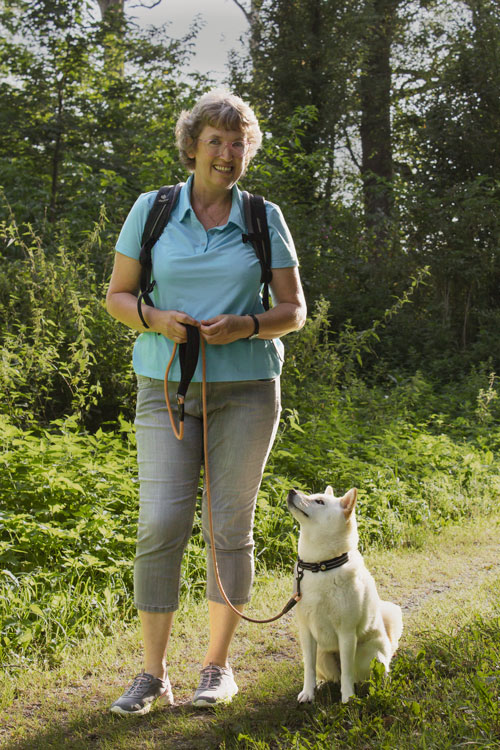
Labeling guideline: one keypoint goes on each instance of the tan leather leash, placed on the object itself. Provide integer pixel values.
(179, 434)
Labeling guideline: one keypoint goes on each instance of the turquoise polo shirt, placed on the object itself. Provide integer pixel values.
(207, 273)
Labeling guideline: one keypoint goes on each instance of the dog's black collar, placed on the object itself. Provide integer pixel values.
(319, 567)
(335, 562)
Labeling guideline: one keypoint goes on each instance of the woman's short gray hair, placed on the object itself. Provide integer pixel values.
(221, 109)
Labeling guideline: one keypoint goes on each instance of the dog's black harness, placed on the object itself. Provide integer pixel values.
(319, 567)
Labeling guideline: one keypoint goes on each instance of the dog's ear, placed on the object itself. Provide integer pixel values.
(348, 502)
(329, 491)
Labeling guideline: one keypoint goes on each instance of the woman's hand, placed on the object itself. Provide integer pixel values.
(171, 323)
(224, 329)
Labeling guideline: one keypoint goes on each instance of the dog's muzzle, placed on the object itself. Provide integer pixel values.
(294, 500)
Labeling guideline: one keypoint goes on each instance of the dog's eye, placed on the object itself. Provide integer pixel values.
(320, 502)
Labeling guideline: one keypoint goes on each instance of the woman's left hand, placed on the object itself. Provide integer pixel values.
(224, 329)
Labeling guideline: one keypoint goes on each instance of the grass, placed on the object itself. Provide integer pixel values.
(443, 692)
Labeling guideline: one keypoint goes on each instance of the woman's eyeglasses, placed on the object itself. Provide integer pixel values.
(217, 146)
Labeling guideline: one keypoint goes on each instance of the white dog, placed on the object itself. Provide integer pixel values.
(343, 624)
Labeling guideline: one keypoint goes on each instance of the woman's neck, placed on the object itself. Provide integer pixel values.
(204, 197)
(211, 207)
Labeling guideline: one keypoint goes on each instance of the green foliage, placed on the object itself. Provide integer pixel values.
(450, 191)
(88, 112)
(67, 519)
(444, 188)
(61, 354)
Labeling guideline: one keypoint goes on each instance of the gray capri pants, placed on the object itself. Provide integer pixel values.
(242, 421)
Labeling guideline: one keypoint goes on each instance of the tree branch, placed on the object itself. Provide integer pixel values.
(349, 148)
(143, 5)
(246, 13)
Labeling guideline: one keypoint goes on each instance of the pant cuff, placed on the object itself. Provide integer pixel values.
(219, 600)
(153, 608)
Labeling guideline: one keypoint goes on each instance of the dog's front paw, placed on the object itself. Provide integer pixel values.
(346, 696)
(306, 696)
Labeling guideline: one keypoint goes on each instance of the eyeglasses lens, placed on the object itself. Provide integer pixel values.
(217, 147)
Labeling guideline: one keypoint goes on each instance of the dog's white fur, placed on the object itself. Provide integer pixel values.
(343, 624)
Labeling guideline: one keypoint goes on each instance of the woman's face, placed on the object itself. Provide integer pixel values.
(220, 158)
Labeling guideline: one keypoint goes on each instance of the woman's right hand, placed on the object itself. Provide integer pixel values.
(171, 323)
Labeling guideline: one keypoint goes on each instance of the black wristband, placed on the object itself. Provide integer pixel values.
(256, 326)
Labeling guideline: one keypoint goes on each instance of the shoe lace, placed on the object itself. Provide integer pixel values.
(210, 677)
(138, 685)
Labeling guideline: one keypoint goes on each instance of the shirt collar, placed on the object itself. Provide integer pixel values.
(236, 215)
(184, 202)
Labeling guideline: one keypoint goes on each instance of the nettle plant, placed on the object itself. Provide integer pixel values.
(61, 355)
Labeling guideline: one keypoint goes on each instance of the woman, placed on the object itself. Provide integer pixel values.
(206, 277)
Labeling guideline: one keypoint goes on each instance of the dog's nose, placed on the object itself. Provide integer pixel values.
(291, 494)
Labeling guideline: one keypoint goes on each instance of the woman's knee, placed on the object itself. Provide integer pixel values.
(230, 539)
(160, 530)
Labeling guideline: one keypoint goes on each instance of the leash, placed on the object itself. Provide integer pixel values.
(188, 353)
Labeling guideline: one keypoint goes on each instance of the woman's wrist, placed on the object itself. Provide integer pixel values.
(148, 315)
(156, 319)
(253, 326)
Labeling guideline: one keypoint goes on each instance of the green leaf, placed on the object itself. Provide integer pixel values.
(26, 636)
(415, 708)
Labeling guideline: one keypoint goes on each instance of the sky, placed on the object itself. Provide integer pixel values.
(224, 24)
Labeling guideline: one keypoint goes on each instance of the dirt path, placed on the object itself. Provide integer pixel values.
(453, 567)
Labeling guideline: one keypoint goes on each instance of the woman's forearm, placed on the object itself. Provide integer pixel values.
(123, 307)
(170, 323)
(284, 318)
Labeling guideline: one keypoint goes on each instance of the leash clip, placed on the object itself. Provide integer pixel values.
(180, 407)
(298, 578)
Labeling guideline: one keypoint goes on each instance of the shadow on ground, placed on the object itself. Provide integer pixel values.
(260, 713)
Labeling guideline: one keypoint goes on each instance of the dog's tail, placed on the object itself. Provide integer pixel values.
(393, 621)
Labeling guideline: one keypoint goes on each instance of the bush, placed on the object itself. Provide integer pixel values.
(61, 354)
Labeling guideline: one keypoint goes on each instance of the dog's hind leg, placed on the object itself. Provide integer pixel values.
(393, 622)
(328, 666)
(376, 648)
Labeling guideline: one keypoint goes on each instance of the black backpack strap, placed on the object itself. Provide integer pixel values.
(156, 222)
(258, 234)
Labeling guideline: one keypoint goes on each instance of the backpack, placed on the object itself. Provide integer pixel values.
(257, 233)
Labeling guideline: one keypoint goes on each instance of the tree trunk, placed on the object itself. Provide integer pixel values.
(105, 5)
(57, 156)
(375, 91)
(113, 21)
(252, 14)
(466, 318)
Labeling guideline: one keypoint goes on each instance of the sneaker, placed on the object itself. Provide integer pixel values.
(139, 697)
(217, 685)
